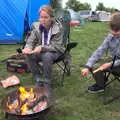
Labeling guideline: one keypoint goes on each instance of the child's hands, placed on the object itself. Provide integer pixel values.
(105, 66)
(85, 72)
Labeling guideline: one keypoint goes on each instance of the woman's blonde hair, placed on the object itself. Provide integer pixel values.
(48, 9)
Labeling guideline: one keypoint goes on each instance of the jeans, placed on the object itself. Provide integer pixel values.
(47, 59)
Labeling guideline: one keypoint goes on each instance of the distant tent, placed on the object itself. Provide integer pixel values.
(103, 15)
(76, 19)
(17, 17)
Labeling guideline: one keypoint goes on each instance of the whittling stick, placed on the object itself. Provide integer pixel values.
(98, 69)
(32, 52)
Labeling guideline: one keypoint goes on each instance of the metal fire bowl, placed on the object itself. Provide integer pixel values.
(38, 91)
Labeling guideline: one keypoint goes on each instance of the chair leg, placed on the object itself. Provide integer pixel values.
(66, 69)
(62, 79)
(63, 75)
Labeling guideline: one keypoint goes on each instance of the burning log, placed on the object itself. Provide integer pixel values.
(12, 106)
(40, 106)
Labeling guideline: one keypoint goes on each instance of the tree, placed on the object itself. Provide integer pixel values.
(73, 4)
(86, 6)
(112, 10)
(56, 3)
(100, 7)
(77, 5)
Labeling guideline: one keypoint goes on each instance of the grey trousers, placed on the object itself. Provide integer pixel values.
(47, 59)
(100, 77)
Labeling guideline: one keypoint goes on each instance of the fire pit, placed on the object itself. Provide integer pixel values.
(29, 103)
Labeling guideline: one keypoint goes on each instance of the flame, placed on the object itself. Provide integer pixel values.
(14, 105)
(26, 94)
(24, 109)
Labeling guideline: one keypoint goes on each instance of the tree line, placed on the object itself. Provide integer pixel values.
(77, 6)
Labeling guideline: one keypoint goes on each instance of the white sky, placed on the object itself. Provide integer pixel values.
(106, 3)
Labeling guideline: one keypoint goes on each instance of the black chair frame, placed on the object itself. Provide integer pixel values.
(66, 64)
(116, 76)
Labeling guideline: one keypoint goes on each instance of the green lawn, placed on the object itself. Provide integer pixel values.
(72, 101)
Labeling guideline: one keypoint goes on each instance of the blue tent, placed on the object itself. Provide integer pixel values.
(16, 17)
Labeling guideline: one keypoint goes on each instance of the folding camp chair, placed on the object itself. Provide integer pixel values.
(64, 17)
(115, 72)
(110, 75)
(65, 59)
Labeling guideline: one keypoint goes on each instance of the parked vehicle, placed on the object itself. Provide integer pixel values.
(86, 14)
(95, 15)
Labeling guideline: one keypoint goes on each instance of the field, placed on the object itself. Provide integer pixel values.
(72, 101)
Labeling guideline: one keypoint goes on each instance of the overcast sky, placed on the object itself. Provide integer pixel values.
(107, 3)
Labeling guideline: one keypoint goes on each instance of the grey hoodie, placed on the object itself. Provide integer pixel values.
(111, 43)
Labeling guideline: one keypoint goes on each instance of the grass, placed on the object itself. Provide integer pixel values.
(72, 101)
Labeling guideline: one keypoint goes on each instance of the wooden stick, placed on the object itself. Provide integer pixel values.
(32, 52)
(98, 69)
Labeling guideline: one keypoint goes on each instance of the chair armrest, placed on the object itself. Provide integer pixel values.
(71, 45)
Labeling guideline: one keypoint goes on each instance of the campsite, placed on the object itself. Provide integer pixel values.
(72, 101)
